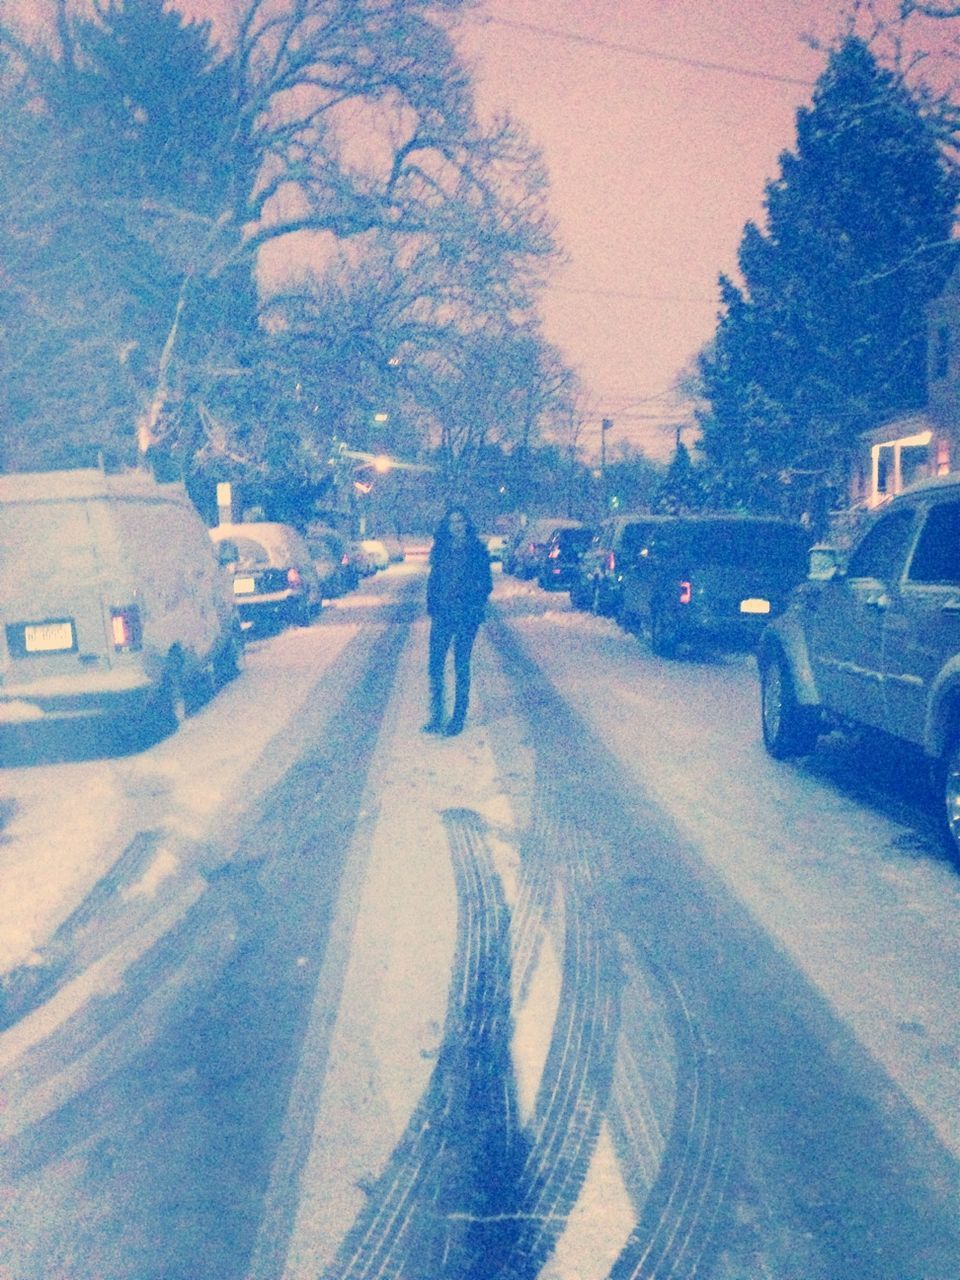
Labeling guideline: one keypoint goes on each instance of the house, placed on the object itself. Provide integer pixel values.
(894, 454)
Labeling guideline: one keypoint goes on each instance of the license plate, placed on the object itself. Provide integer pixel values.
(244, 586)
(754, 605)
(48, 637)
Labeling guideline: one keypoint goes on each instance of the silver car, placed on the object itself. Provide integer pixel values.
(876, 642)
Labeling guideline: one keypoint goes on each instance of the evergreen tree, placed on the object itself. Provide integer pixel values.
(681, 489)
(153, 108)
(126, 261)
(827, 335)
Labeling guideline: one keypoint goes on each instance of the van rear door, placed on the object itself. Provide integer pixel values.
(51, 601)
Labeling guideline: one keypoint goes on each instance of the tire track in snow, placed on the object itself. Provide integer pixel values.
(446, 1204)
(469, 1193)
(681, 1208)
(675, 1163)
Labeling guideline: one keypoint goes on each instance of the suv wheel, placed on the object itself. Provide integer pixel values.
(173, 704)
(229, 660)
(951, 796)
(664, 639)
(788, 728)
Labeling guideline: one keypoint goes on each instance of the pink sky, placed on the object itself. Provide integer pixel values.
(655, 168)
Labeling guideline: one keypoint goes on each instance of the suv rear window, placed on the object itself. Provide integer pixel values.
(575, 539)
(634, 536)
(742, 545)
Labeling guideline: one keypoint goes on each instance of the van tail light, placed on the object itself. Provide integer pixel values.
(686, 592)
(293, 578)
(126, 628)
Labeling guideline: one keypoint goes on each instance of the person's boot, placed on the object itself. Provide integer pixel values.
(435, 723)
(455, 723)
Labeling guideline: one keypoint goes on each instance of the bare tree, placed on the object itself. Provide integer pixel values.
(350, 121)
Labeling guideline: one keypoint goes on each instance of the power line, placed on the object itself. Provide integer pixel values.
(633, 297)
(638, 51)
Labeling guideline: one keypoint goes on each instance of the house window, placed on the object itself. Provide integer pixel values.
(941, 356)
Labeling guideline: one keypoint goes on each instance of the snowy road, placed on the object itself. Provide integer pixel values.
(594, 991)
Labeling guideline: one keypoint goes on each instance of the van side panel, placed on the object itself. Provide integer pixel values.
(176, 576)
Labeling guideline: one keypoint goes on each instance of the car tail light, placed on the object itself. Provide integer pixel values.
(611, 562)
(344, 559)
(126, 628)
(553, 553)
(293, 578)
(686, 592)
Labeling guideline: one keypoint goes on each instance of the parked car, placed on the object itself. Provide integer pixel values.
(524, 553)
(597, 583)
(395, 551)
(495, 544)
(375, 549)
(876, 643)
(274, 581)
(366, 565)
(710, 580)
(561, 557)
(335, 567)
(112, 601)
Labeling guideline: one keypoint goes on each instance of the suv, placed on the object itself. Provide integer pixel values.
(561, 558)
(717, 579)
(523, 555)
(597, 584)
(876, 643)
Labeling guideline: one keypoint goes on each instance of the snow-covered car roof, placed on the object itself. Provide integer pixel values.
(281, 542)
(84, 482)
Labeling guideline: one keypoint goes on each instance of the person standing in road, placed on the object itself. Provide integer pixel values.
(457, 589)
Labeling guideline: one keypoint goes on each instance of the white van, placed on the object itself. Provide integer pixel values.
(112, 602)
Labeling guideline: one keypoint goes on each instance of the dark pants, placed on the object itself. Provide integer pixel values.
(443, 632)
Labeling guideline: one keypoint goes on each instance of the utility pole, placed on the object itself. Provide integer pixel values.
(605, 425)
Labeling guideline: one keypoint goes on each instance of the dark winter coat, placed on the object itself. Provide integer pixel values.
(459, 581)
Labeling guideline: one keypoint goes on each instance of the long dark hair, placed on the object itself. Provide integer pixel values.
(441, 535)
